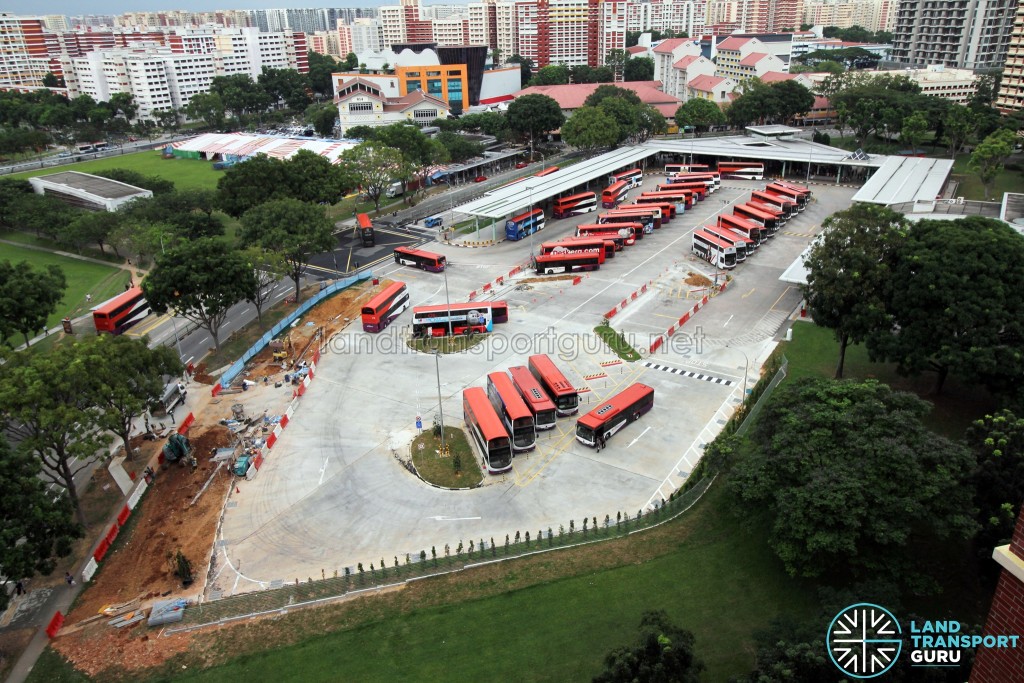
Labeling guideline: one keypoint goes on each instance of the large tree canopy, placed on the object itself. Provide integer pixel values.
(28, 296)
(663, 653)
(533, 115)
(590, 128)
(700, 114)
(997, 442)
(847, 472)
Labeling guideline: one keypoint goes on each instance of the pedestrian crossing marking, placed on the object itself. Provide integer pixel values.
(691, 374)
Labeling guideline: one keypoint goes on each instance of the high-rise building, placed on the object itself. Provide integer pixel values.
(668, 15)
(1011, 87)
(367, 36)
(874, 15)
(24, 57)
(967, 34)
(483, 25)
(770, 16)
(56, 22)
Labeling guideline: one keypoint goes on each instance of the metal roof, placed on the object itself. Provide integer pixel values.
(905, 179)
(773, 130)
(98, 186)
(775, 149)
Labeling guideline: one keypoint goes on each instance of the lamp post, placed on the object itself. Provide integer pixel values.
(174, 322)
(448, 306)
(529, 187)
(440, 409)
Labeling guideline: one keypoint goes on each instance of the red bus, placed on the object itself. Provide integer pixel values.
(796, 196)
(622, 234)
(649, 219)
(121, 312)
(717, 252)
(613, 194)
(498, 309)
(426, 260)
(699, 189)
(365, 226)
(675, 169)
(568, 261)
(601, 423)
(487, 430)
(644, 209)
(749, 228)
(443, 319)
(708, 179)
(385, 307)
(537, 401)
(634, 177)
(787, 207)
(512, 410)
(554, 383)
(580, 244)
(667, 208)
(773, 211)
(752, 213)
(744, 245)
(744, 170)
(576, 204)
(794, 186)
(683, 199)
(547, 171)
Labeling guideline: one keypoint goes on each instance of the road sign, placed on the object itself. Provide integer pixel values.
(419, 422)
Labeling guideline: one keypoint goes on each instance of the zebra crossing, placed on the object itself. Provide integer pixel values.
(690, 373)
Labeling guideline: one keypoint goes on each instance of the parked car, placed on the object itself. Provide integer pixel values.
(480, 179)
(522, 164)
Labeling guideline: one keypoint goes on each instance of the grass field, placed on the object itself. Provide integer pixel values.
(83, 277)
(184, 173)
(441, 470)
(616, 342)
(1010, 180)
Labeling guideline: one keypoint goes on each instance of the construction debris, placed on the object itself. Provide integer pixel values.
(167, 612)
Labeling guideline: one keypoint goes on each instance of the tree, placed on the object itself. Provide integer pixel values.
(651, 123)
(240, 94)
(168, 119)
(699, 114)
(155, 184)
(790, 99)
(322, 117)
(604, 92)
(626, 115)
(127, 379)
(590, 128)
(207, 107)
(291, 228)
(525, 68)
(960, 127)
(847, 474)
(286, 85)
(954, 304)
(313, 178)
(124, 104)
(89, 227)
(268, 269)
(47, 406)
(914, 129)
(553, 74)
(534, 115)
(989, 156)
(997, 442)
(28, 296)
(663, 652)
(188, 212)
(458, 147)
(415, 148)
(638, 69)
(256, 180)
(849, 271)
(375, 166)
(603, 74)
(615, 59)
(581, 73)
(351, 62)
(37, 529)
(200, 280)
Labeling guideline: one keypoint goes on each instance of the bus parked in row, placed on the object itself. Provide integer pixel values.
(751, 213)
(603, 422)
(117, 314)
(568, 261)
(787, 192)
(524, 225)
(544, 414)
(633, 177)
(554, 383)
(749, 228)
(450, 319)
(787, 207)
(427, 260)
(574, 205)
(488, 432)
(771, 210)
(714, 176)
(646, 220)
(613, 194)
(622, 234)
(512, 410)
(743, 170)
(668, 209)
(385, 307)
(580, 244)
(717, 252)
(682, 199)
(676, 169)
(698, 189)
(743, 245)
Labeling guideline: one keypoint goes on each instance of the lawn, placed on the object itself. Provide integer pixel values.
(440, 470)
(616, 341)
(970, 187)
(184, 173)
(83, 277)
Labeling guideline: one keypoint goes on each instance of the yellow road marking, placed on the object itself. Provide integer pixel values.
(140, 331)
(784, 292)
(752, 289)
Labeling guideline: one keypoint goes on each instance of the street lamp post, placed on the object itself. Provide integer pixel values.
(530, 188)
(440, 409)
(448, 304)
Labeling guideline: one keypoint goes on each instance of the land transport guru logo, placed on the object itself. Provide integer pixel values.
(865, 641)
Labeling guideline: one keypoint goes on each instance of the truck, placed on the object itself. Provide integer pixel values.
(394, 189)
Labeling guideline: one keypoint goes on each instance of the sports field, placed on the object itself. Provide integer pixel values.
(184, 173)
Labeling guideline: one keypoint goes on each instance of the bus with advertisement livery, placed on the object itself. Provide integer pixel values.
(444, 319)
(650, 218)
(385, 307)
(487, 430)
(544, 414)
(622, 234)
(633, 177)
(568, 261)
(613, 194)
(574, 205)
(580, 244)
(742, 170)
(525, 224)
(117, 314)
(554, 383)
(683, 199)
(604, 421)
(715, 251)
(512, 410)
(417, 258)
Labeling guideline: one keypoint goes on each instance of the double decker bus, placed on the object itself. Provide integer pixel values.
(773, 211)
(744, 170)
(524, 224)
(715, 251)
(602, 423)
(580, 244)
(427, 260)
(385, 307)
(667, 208)
(487, 430)
(741, 225)
(633, 177)
(613, 194)
(117, 314)
(498, 311)
(547, 171)
(512, 410)
(784, 205)
(683, 199)
(365, 227)
(444, 319)
(698, 189)
(713, 181)
(568, 261)
(762, 218)
(649, 218)
(554, 383)
(676, 169)
(622, 234)
(796, 196)
(646, 223)
(576, 204)
(793, 186)
(544, 414)
(744, 245)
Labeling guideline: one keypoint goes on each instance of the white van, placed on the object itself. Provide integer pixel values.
(394, 189)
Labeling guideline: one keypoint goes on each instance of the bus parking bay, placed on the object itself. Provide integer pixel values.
(333, 493)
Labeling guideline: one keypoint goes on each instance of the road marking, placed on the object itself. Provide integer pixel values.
(690, 373)
(784, 293)
(442, 518)
(726, 323)
(140, 331)
(638, 438)
(752, 289)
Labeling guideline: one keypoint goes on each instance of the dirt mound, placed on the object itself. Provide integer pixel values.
(202, 377)
(549, 278)
(697, 280)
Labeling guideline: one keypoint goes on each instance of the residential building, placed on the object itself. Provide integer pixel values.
(344, 32)
(367, 36)
(739, 58)
(326, 43)
(506, 29)
(24, 56)
(874, 15)
(668, 52)
(966, 34)
(362, 103)
(1011, 86)
(612, 33)
(57, 23)
(450, 31)
(821, 113)
(684, 71)
(714, 88)
(482, 23)
(664, 15)
(778, 76)
(724, 12)
(770, 16)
